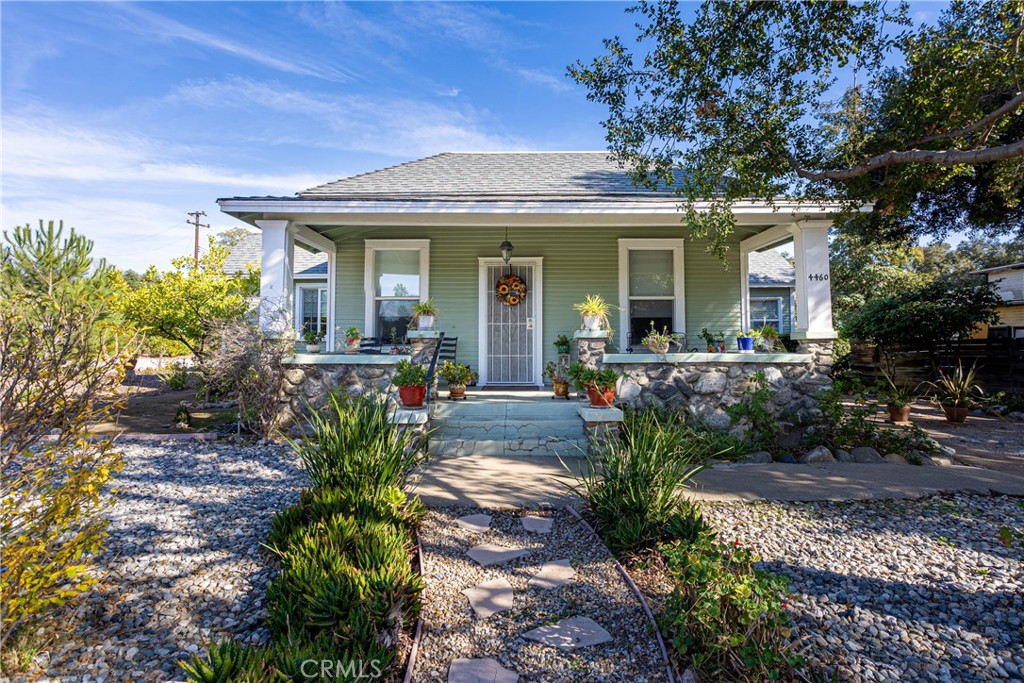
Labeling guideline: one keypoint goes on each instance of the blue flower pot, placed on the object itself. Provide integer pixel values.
(745, 344)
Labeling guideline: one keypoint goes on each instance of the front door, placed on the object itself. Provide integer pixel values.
(510, 329)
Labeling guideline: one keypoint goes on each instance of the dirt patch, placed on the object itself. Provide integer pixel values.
(983, 441)
(150, 410)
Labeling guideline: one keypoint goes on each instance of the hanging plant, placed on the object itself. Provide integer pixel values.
(511, 290)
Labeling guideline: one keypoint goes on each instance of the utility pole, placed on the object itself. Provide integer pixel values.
(195, 216)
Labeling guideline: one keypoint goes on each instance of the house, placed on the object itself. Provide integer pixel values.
(772, 287)
(1009, 281)
(309, 273)
(576, 225)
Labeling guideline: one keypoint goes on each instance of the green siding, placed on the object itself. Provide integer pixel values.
(577, 261)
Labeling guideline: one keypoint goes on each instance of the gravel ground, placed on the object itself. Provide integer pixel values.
(896, 591)
(183, 564)
(452, 631)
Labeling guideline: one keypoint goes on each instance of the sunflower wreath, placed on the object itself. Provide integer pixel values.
(511, 290)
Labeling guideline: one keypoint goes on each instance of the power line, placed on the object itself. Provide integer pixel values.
(195, 215)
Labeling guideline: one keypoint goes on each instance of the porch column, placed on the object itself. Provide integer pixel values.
(276, 287)
(813, 288)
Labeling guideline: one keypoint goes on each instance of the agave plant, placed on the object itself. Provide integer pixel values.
(957, 388)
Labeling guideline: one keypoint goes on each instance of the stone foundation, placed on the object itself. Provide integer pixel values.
(706, 383)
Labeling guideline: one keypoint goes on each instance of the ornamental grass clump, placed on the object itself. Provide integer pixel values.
(634, 486)
(726, 619)
(347, 585)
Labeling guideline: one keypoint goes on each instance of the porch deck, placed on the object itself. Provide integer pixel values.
(507, 422)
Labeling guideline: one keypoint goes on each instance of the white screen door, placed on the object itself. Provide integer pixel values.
(510, 343)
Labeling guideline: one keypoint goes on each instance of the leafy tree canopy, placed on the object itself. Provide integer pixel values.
(187, 303)
(823, 101)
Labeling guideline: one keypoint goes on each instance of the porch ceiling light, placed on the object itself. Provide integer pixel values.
(506, 248)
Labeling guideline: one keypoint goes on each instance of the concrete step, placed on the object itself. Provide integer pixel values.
(483, 409)
(567, 448)
(476, 429)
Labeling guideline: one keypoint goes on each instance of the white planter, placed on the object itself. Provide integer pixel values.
(312, 348)
(425, 322)
(592, 322)
(352, 347)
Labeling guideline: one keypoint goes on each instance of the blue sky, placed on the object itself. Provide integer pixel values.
(119, 118)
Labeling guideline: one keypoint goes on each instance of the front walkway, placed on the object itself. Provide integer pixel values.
(535, 482)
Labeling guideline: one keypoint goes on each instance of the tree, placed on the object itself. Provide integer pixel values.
(63, 351)
(231, 236)
(745, 101)
(187, 303)
(863, 271)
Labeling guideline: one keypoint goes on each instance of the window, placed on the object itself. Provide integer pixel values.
(312, 309)
(766, 311)
(396, 278)
(650, 287)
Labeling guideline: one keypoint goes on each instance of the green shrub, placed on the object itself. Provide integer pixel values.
(634, 487)
(355, 447)
(229, 661)
(726, 617)
(761, 427)
(849, 418)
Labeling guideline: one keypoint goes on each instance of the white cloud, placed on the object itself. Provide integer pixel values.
(543, 78)
(398, 127)
(154, 24)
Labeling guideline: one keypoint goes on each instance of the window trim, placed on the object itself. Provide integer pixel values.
(317, 285)
(678, 283)
(778, 311)
(369, 265)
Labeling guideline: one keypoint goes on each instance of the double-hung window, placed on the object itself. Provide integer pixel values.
(650, 288)
(766, 312)
(312, 309)
(397, 273)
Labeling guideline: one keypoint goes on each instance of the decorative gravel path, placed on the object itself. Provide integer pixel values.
(183, 561)
(597, 594)
(896, 591)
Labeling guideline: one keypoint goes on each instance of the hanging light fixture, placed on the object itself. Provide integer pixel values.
(506, 248)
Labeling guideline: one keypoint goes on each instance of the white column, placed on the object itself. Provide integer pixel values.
(276, 286)
(813, 286)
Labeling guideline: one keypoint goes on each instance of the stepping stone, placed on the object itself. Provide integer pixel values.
(538, 525)
(553, 575)
(571, 633)
(475, 523)
(488, 554)
(480, 671)
(490, 597)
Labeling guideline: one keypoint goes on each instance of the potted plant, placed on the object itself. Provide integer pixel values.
(352, 338)
(768, 338)
(898, 399)
(745, 342)
(594, 311)
(659, 342)
(411, 381)
(423, 314)
(458, 376)
(715, 342)
(562, 344)
(313, 339)
(956, 391)
(599, 384)
(559, 379)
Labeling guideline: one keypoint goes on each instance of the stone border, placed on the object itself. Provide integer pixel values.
(410, 664)
(636, 591)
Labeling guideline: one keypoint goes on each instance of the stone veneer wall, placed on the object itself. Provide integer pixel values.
(307, 387)
(706, 386)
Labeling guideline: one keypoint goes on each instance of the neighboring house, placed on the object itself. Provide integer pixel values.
(1009, 281)
(772, 289)
(309, 275)
(432, 228)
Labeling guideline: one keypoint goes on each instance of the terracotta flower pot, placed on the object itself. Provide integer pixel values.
(898, 413)
(456, 390)
(601, 399)
(561, 389)
(955, 413)
(412, 397)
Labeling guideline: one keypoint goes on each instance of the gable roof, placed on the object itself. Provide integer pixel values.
(249, 249)
(493, 175)
(770, 269)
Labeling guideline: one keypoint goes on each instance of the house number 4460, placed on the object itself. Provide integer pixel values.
(818, 277)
